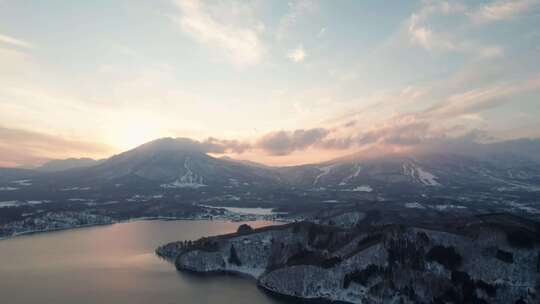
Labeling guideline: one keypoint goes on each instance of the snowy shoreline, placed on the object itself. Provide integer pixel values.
(30, 232)
(130, 220)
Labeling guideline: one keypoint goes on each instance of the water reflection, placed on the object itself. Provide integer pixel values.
(115, 264)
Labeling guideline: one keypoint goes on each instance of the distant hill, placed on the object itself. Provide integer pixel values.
(67, 164)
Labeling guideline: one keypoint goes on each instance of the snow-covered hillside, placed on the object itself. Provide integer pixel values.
(496, 259)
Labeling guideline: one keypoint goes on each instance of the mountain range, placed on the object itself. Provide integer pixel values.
(170, 176)
(174, 163)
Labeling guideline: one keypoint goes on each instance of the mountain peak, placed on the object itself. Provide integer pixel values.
(170, 144)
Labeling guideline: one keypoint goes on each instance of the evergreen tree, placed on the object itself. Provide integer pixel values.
(233, 257)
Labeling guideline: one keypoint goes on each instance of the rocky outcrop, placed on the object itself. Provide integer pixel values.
(480, 260)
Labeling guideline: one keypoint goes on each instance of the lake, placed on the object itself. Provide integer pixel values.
(116, 264)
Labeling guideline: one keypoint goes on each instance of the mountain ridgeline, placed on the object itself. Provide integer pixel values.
(174, 178)
(177, 163)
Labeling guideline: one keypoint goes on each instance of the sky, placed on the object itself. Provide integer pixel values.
(276, 82)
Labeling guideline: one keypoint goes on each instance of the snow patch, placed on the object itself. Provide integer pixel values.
(415, 205)
(362, 188)
(524, 207)
(37, 202)
(139, 198)
(22, 203)
(234, 182)
(239, 210)
(427, 178)
(188, 180)
(420, 175)
(8, 188)
(448, 206)
(9, 204)
(331, 201)
(250, 271)
(324, 171)
(23, 182)
(76, 189)
(254, 211)
(358, 168)
(79, 200)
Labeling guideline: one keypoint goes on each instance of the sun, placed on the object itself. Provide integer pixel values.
(134, 134)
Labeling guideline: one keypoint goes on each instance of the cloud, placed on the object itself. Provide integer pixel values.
(12, 61)
(22, 147)
(420, 31)
(405, 131)
(480, 99)
(15, 42)
(209, 145)
(424, 36)
(441, 120)
(204, 23)
(322, 32)
(338, 143)
(349, 124)
(297, 55)
(277, 143)
(491, 52)
(12, 157)
(405, 134)
(502, 10)
(401, 132)
(286, 142)
(456, 115)
(298, 10)
(221, 146)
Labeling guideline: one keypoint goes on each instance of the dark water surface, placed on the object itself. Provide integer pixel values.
(115, 264)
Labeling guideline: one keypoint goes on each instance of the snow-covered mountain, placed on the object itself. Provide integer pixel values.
(176, 165)
(171, 164)
(428, 172)
(175, 178)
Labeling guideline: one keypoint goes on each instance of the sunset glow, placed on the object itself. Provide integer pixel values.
(348, 77)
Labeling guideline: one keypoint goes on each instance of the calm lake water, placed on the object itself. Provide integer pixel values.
(115, 264)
